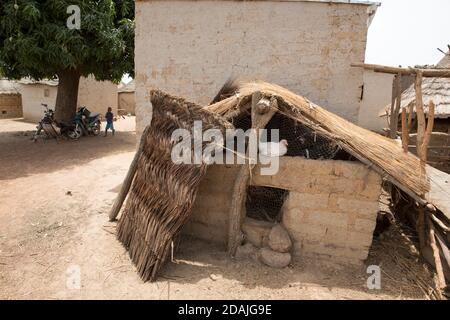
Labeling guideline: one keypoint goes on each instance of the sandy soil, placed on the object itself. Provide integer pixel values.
(54, 201)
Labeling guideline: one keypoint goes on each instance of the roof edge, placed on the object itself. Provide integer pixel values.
(360, 2)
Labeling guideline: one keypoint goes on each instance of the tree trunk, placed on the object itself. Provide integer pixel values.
(67, 96)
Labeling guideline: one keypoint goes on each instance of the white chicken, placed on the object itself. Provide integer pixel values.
(273, 149)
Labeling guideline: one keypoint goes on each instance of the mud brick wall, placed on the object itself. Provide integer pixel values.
(330, 212)
(211, 210)
(190, 48)
(331, 209)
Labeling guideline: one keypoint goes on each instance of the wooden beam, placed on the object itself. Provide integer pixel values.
(128, 180)
(428, 130)
(395, 108)
(405, 131)
(436, 255)
(420, 116)
(428, 73)
(262, 111)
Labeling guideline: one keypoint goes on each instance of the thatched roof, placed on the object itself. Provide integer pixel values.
(380, 151)
(382, 154)
(163, 193)
(45, 82)
(436, 89)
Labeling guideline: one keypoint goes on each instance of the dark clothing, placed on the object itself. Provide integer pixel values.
(109, 117)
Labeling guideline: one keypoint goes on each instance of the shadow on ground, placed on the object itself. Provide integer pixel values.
(21, 157)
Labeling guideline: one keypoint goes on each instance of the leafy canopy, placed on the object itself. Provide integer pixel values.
(36, 42)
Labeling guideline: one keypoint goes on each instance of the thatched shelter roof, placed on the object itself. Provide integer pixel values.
(162, 194)
(382, 154)
(436, 89)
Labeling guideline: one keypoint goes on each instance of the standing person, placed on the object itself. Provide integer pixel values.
(109, 121)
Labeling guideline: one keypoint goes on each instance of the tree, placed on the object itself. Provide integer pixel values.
(37, 41)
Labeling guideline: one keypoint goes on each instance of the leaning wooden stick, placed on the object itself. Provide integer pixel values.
(405, 132)
(436, 255)
(428, 131)
(128, 181)
(420, 115)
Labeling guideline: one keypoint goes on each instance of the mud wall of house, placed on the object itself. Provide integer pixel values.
(377, 95)
(97, 96)
(190, 48)
(330, 212)
(126, 102)
(33, 96)
(10, 106)
(212, 205)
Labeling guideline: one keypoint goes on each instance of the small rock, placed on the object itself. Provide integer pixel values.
(279, 239)
(68, 193)
(256, 231)
(214, 277)
(246, 251)
(274, 259)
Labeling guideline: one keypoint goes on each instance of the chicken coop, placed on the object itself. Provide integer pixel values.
(322, 202)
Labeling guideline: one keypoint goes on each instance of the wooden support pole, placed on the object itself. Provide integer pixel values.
(428, 73)
(436, 255)
(405, 132)
(128, 180)
(395, 107)
(428, 131)
(392, 120)
(262, 111)
(420, 115)
(410, 116)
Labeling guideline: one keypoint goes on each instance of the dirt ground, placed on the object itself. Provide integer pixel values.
(54, 203)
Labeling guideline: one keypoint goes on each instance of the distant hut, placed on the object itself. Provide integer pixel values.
(126, 101)
(437, 90)
(10, 100)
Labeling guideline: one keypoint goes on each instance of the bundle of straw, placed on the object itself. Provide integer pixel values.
(163, 193)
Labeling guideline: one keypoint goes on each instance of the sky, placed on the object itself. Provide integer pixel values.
(408, 32)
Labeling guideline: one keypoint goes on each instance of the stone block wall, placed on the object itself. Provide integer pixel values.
(331, 209)
(190, 48)
(212, 205)
(330, 212)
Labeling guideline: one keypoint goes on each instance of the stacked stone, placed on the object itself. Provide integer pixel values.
(269, 243)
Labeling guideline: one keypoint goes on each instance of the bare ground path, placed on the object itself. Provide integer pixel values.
(54, 201)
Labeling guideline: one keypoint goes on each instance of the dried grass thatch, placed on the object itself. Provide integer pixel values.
(382, 153)
(163, 193)
(436, 89)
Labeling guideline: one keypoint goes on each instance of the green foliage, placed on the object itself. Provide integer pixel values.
(35, 40)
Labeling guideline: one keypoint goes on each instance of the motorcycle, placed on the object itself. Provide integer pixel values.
(53, 129)
(85, 124)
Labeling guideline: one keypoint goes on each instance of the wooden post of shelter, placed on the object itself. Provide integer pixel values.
(405, 132)
(262, 110)
(395, 106)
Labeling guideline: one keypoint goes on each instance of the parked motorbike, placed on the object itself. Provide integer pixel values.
(86, 123)
(50, 128)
